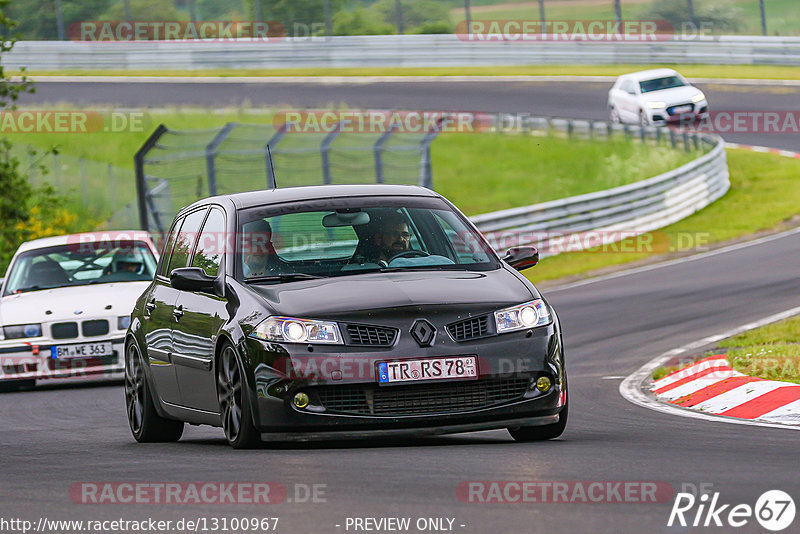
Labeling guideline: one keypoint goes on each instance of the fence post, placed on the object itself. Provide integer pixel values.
(112, 189)
(658, 136)
(211, 155)
(643, 134)
(141, 185)
(570, 128)
(325, 150)
(672, 140)
(84, 184)
(686, 141)
(426, 170)
(695, 141)
(377, 149)
(269, 155)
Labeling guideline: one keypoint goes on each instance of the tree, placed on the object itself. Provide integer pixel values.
(20, 204)
(148, 10)
(37, 20)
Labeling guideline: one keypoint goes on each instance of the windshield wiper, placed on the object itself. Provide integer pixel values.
(283, 277)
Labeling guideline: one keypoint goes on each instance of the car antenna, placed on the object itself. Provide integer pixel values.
(271, 168)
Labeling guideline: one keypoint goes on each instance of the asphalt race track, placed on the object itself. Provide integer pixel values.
(55, 437)
(580, 100)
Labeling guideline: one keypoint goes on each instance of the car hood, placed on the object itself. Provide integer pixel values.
(64, 302)
(355, 294)
(676, 95)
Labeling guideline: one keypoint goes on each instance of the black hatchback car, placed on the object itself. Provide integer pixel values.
(339, 312)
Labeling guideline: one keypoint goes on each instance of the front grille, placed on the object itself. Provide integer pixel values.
(671, 109)
(419, 399)
(365, 335)
(64, 330)
(470, 328)
(97, 327)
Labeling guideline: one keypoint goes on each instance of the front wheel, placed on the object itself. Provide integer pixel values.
(613, 114)
(643, 120)
(234, 406)
(146, 425)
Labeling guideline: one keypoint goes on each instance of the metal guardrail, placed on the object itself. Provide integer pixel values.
(614, 214)
(394, 51)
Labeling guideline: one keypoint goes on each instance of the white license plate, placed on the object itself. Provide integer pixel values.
(84, 350)
(428, 369)
(682, 109)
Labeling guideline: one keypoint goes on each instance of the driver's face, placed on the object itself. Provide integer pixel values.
(396, 238)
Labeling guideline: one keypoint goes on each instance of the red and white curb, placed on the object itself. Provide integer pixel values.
(765, 150)
(711, 386)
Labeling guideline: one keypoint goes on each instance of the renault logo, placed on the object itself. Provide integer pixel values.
(423, 332)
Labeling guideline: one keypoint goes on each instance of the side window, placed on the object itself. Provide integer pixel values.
(461, 239)
(185, 240)
(165, 255)
(208, 254)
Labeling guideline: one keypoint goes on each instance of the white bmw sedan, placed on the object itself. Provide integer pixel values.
(65, 305)
(655, 96)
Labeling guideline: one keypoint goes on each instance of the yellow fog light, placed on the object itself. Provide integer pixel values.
(301, 399)
(543, 384)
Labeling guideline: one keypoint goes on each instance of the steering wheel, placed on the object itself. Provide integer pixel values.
(410, 254)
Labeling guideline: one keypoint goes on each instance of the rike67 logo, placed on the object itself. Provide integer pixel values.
(774, 510)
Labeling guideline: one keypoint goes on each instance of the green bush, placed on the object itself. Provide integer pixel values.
(719, 17)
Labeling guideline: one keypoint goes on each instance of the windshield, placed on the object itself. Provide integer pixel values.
(354, 236)
(80, 264)
(658, 84)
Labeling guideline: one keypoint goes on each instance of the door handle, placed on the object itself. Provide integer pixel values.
(150, 306)
(178, 312)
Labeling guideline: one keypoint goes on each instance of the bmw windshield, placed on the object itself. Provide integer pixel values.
(339, 237)
(80, 264)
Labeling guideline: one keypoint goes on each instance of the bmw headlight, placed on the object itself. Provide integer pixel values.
(699, 97)
(528, 315)
(292, 330)
(656, 105)
(22, 331)
(123, 322)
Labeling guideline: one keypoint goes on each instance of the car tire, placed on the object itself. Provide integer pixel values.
(613, 115)
(145, 423)
(643, 120)
(541, 433)
(234, 401)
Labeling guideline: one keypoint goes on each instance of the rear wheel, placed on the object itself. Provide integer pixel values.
(146, 425)
(234, 406)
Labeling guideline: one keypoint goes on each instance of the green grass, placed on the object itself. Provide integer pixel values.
(771, 352)
(762, 72)
(763, 196)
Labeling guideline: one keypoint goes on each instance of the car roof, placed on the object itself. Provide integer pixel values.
(650, 74)
(89, 237)
(313, 192)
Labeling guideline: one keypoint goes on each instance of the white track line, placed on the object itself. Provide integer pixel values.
(632, 387)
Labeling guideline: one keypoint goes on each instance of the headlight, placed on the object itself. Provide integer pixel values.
(123, 322)
(291, 330)
(699, 97)
(656, 105)
(528, 315)
(22, 331)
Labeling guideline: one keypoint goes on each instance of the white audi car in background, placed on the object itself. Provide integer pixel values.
(65, 304)
(657, 96)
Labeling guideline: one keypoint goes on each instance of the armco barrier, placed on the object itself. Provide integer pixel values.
(394, 51)
(619, 212)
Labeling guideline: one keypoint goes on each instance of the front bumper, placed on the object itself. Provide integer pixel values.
(33, 361)
(346, 400)
(669, 114)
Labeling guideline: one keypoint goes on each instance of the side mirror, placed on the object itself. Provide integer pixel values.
(522, 257)
(192, 279)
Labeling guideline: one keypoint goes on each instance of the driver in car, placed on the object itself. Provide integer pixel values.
(391, 239)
